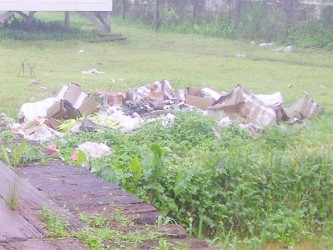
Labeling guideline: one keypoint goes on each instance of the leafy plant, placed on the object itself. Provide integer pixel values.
(57, 226)
(254, 190)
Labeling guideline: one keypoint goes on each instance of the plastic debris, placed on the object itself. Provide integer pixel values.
(265, 45)
(5, 121)
(94, 150)
(92, 72)
(31, 111)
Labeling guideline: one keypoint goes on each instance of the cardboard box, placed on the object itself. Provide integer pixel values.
(70, 93)
(193, 91)
(72, 103)
(53, 123)
(199, 102)
(193, 98)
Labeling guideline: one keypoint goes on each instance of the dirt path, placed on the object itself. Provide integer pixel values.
(59, 186)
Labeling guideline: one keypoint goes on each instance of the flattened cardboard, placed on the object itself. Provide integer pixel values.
(53, 123)
(199, 102)
(305, 107)
(88, 105)
(195, 91)
(56, 110)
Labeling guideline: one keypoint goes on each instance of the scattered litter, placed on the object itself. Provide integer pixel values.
(34, 82)
(290, 85)
(92, 72)
(42, 133)
(322, 86)
(125, 123)
(240, 103)
(94, 150)
(81, 51)
(72, 110)
(31, 111)
(266, 45)
(52, 148)
(305, 108)
(5, 120)
(286, 49)
(241, 55)
(43, 88)
(168, 120)
(225, 122)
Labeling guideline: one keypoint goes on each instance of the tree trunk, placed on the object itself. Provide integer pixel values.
(123, 9)
(157, 15)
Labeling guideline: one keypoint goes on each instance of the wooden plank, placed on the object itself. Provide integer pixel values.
(60, 5)
(14, 227)
(95, 21)
(30, 199)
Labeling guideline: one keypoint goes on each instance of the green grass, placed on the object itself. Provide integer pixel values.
(232, 187)
(148, 56)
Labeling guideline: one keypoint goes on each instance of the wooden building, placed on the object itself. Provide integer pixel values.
(97, 12)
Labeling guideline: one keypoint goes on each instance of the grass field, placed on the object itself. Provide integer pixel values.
(232, 188)
(146, 56)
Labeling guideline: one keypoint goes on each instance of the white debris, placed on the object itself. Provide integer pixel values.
(168, 120)
(210, 93)
(126, 123)
(94, 150)
(288, 49)
(225, 122)
(241, 55)
(42, 133)
(266, 45)
(271, 100)
(92, 72)
(31, 111)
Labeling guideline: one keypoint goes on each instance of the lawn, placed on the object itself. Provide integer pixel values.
(147, 56)
(232, 188)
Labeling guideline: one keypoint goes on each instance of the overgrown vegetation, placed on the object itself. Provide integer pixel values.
(14, 153)
(287, 22)
(21, 29)
(101, 232)
(276, 188)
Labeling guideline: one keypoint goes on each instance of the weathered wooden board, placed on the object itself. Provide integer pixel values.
(30, 199)
(56, 5)
(14, 227)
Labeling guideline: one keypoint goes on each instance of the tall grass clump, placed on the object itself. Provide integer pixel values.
(220, 181)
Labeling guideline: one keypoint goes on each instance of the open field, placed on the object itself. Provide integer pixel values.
(148, 56)
(231, 187)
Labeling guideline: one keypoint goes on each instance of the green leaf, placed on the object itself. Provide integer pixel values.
(82, 158)
(181, 182)
(136, 167)
(5, 156)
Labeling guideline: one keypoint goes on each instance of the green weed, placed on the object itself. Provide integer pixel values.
(56, 226)
(275, 188)
(12, 201)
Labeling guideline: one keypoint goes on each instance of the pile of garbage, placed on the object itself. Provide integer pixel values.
(73, 110)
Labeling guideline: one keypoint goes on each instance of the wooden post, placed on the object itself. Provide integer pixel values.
(67, 19)
(123, 9)
(157, 15)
